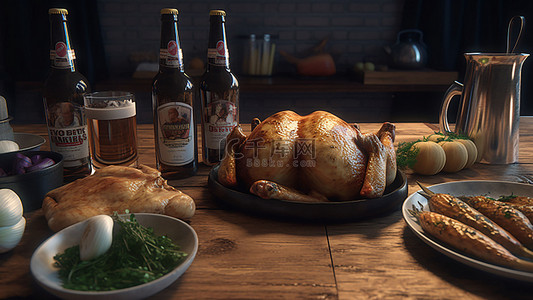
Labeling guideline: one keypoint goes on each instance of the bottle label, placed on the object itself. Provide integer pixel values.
(220, 118)
(218, 56)
(67, 130)
(176, 133)
(61, 56)
(172, 56)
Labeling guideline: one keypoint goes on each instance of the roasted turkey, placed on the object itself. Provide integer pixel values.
(318, 157)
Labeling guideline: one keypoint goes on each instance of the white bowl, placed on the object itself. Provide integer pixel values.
(43, 270)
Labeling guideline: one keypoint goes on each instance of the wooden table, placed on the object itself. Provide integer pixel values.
(246, 257)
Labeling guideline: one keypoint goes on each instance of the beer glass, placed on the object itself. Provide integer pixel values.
(111, 118)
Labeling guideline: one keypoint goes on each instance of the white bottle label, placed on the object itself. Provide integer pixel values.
(172, 55)
(62, 57)
(176, 133)
(68, 133)
(220, 119)
(218, 56)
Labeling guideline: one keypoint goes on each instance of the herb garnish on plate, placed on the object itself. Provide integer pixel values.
(136, 256)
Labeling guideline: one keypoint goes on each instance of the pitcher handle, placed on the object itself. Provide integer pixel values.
(456, 89)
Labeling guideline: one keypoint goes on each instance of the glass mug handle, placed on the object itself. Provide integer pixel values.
(456, 89)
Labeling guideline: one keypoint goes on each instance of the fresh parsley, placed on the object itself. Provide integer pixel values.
(136, 256)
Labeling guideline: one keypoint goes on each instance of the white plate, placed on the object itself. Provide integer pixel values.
(492, 189)
(46, 274)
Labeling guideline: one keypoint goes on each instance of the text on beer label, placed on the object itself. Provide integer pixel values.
(62, 59)
(168, 59)
(220, 118)
(227, 129)
(68, 137)
(218, 56)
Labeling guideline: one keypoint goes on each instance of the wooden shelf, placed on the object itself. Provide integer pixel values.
(294, 84)
(418, 77)
(338, 84)
(413, 81)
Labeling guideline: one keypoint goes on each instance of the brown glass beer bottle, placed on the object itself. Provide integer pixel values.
(219, 92)
(172, 100)
(63, 101)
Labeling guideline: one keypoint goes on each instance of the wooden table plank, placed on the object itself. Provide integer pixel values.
(243, 257)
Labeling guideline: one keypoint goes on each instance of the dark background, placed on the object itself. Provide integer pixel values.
(111, 37)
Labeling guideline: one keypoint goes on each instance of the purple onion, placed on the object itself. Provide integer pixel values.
(37, 158)
(45, 162)
(18, 169)
(20, 164)
(22, 160)
(23, 164)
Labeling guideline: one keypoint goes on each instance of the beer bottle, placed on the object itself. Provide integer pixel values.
(63, 101)
(172, 101)
(219, 92)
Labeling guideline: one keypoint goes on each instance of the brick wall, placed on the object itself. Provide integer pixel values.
(357, 29)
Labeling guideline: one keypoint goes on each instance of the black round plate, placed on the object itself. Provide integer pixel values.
(343, 211)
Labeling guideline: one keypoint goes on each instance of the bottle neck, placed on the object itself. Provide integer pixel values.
(62, 56)
(217, 47)
(170, 53)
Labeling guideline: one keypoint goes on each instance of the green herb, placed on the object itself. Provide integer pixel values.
(406, 154)
(508, 213)
(506, 198)
(457, 136)
(136, 256)
(449, 136)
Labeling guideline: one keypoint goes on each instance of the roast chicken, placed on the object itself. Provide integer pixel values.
(115, 189)
(318, 157)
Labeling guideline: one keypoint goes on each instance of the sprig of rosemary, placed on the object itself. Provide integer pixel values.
(136, 256)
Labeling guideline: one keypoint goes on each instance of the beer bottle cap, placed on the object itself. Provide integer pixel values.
(217, 12)
(169, 11)
(57, 11)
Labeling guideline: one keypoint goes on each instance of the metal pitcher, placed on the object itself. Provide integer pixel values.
(489, 111)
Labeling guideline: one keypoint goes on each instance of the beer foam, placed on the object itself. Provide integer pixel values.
(110, 113)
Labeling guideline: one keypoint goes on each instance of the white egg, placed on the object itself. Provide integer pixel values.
(8, 146)
(97, 237)
(10, 208)
(10, 235)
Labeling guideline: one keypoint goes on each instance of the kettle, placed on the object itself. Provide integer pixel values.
(409, 52)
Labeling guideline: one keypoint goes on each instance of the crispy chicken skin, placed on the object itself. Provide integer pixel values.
(318, 155)
(115, 188)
